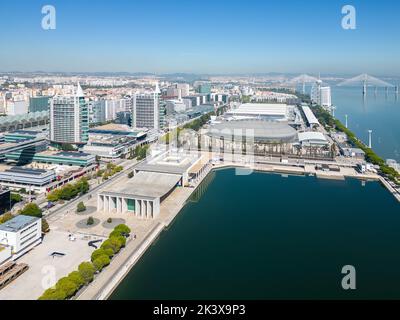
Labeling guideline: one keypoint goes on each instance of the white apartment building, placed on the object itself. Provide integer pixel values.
(14, 108)
(21, 234)
(146, 111)
(178, 90)
(325, 96)
(69, 118)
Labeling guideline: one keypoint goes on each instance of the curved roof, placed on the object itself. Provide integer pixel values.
(264, 131)
(34, 116)
(312, 136)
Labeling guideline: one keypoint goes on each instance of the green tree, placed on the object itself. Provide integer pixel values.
(87, 270)
(53, 294)
(97, 253)
(45, 226)
(54, 195)
(109, 253)
(90, 221)
(141, 152)
(76, 278)
(99, 173)
(83, 186)
(114, 234)
(81, 207)
(113, 244)
(101, 262)
(31, 209)
(67, 192)
(121, 240)
(123, 229)
(6, 217)
(69, 287)
(15, 198)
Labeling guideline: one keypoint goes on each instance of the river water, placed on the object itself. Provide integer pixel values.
(379, 113)
(265, 236)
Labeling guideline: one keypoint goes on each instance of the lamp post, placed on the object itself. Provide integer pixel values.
(370, 139)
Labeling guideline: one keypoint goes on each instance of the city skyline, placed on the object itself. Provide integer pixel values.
(215, 38)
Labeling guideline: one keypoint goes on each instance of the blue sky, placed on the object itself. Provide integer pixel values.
(201, 36)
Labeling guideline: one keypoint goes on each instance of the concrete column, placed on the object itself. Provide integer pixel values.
(119, 205)
(105, 203)
(110, 204)
(156, 208)
(124, 205)
(138, 208)
(149, 209)
(144, 209)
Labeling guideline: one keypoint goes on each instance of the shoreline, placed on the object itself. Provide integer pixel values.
(149, 240)
(132, 255)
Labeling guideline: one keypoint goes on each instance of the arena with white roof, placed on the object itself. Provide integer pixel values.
(263, 111)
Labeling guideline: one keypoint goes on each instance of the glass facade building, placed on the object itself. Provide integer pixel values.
(39, 104)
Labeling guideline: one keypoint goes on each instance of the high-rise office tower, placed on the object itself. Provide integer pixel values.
(204, 88)
(146, 110)
(69, 119)
(39, 103)
(97, 111)
(321, 95)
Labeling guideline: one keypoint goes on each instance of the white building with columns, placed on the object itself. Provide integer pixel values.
(153, 181)
(140, 196)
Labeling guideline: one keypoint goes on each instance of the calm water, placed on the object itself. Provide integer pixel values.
(379, 113)
(265, 237)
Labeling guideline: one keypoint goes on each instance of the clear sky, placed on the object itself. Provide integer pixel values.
(201, 36)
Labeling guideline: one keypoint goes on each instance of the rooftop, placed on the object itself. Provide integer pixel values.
(311, 119)
(261, 109)
(312, 135)
(118, 129)
(146, 184)
(18, 223)
(261, 130)
(65, 154)
(24, 170)
(24, 132)
(170, 162)
(33, 116)
(113, 127)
